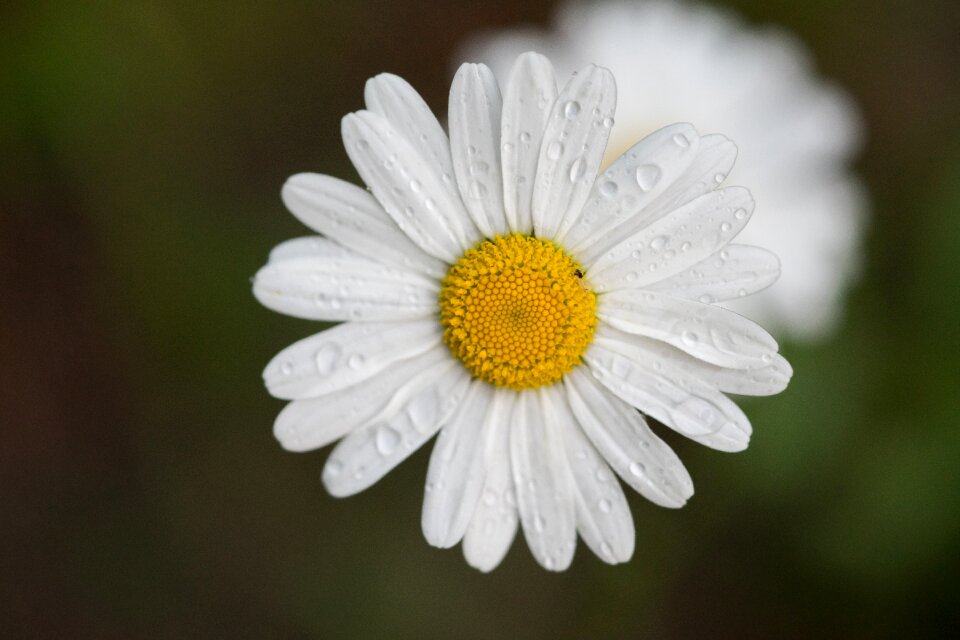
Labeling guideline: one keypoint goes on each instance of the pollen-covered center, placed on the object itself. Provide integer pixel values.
(517, 312)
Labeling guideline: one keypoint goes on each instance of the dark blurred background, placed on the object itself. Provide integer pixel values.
(143, 495)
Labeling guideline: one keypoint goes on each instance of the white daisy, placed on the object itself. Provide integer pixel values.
(494, 289)
(796, 132)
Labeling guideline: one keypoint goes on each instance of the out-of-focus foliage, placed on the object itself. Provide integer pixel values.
(143, 147)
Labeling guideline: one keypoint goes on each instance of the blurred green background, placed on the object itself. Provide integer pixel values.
(143, 495)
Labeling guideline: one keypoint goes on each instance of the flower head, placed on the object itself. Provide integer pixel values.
(796, 132)
(495, 289)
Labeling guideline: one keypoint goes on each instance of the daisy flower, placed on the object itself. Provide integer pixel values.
(493, 288)
(796, 132)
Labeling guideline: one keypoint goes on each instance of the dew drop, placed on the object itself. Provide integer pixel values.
(740, 214)
(508, 147)
(706, 299)
(658, 243)
(604, 506)
(606, 549)
(681, 140)
(539, 523)
(631, 276)
(647, 176)
(524, 137)
(387, 440)
(489, 497)
(637, 469)
(554, 150)
(607, 122)
(415, 186)
(356, 361)
(689, 337)
(571, 109)
(477, 190)
(720, 177)
(479, 168)
(725, 227)
(326, 358)
(608, 189)
(286, 368)
(333, 468)
(577, 169)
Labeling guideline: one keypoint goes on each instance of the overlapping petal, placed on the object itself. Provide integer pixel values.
(573, 144)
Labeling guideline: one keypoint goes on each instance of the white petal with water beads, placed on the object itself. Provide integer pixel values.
(367, 454)
(705, 331)
(354, 219)
(494, 522)
(408, 187)
(543, 483)
(572, 149)
(620, 434)
(527, 101)
(346, 354)
(475, 107)
(685, 404)
(316, 422)
(457, 471)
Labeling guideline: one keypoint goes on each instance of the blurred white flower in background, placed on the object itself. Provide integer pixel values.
(795, 131)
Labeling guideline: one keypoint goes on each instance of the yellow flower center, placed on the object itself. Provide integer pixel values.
(517, 312)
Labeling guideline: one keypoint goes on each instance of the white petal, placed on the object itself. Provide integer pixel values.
(456, 473)
(353, 218)
(659, 356)
(622, 437)
(493, 524)
(705, 331)
(347, 288)
(527, 101)
(474, 117)
(314, 423)
(368, 454)
(687, 405)
(309, 247)
(621, 195)
(544, 492)
(394, 99)
(674, 242)
(572, 149)
(408, 187)
(737, 271)
(715, 157)
(603, 516)
(345, 355)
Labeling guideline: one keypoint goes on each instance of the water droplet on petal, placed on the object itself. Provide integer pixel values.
(689, 338)
(647, 176)
(637, 469)
(658, 243)
(608, 189)
(604, 506)
(326, 358)
(387, 440)
(554, 150)
(286, 368)
(571, 110)
(479, 168)
(577, 169)
(681, 140)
